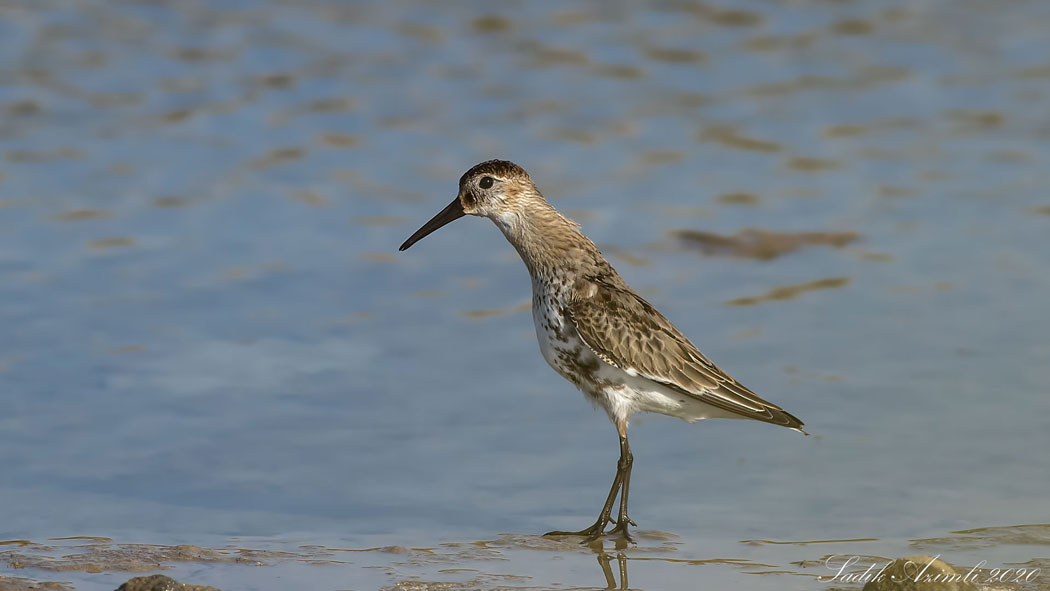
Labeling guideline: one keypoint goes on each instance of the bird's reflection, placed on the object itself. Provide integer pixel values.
(605, 559)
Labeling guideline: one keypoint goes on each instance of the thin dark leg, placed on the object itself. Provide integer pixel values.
(624, 468)
(598, 528)
(619, 485)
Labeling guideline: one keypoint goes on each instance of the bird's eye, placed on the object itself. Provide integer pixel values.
(486, 182)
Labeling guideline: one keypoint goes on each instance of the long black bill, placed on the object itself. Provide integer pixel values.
(453, 212)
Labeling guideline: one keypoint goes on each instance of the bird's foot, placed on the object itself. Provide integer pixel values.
(597, 530)
(589, 534)
(621, 530)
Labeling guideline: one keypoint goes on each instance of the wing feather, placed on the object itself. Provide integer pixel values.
(627, 332)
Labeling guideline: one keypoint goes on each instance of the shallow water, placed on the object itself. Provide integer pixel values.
(210, 339)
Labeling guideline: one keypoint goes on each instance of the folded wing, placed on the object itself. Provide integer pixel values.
(627, 332)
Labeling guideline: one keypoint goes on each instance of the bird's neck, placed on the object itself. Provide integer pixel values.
(550, 244)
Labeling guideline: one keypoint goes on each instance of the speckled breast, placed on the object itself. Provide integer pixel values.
(560, 343)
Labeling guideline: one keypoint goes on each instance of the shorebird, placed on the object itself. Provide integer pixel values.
(595, 331)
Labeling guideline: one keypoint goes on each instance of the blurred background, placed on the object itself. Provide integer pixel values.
(208, 339)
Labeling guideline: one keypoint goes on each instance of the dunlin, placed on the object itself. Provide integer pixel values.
(594, 330)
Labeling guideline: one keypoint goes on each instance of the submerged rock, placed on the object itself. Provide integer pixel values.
(764, 245)
(160, 583)
(922, 573)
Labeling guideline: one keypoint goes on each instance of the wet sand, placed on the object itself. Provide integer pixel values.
(481, 565)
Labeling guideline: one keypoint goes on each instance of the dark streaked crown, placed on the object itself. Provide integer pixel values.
(500, 168)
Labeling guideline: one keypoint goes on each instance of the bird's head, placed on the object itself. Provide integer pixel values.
(496, 189)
